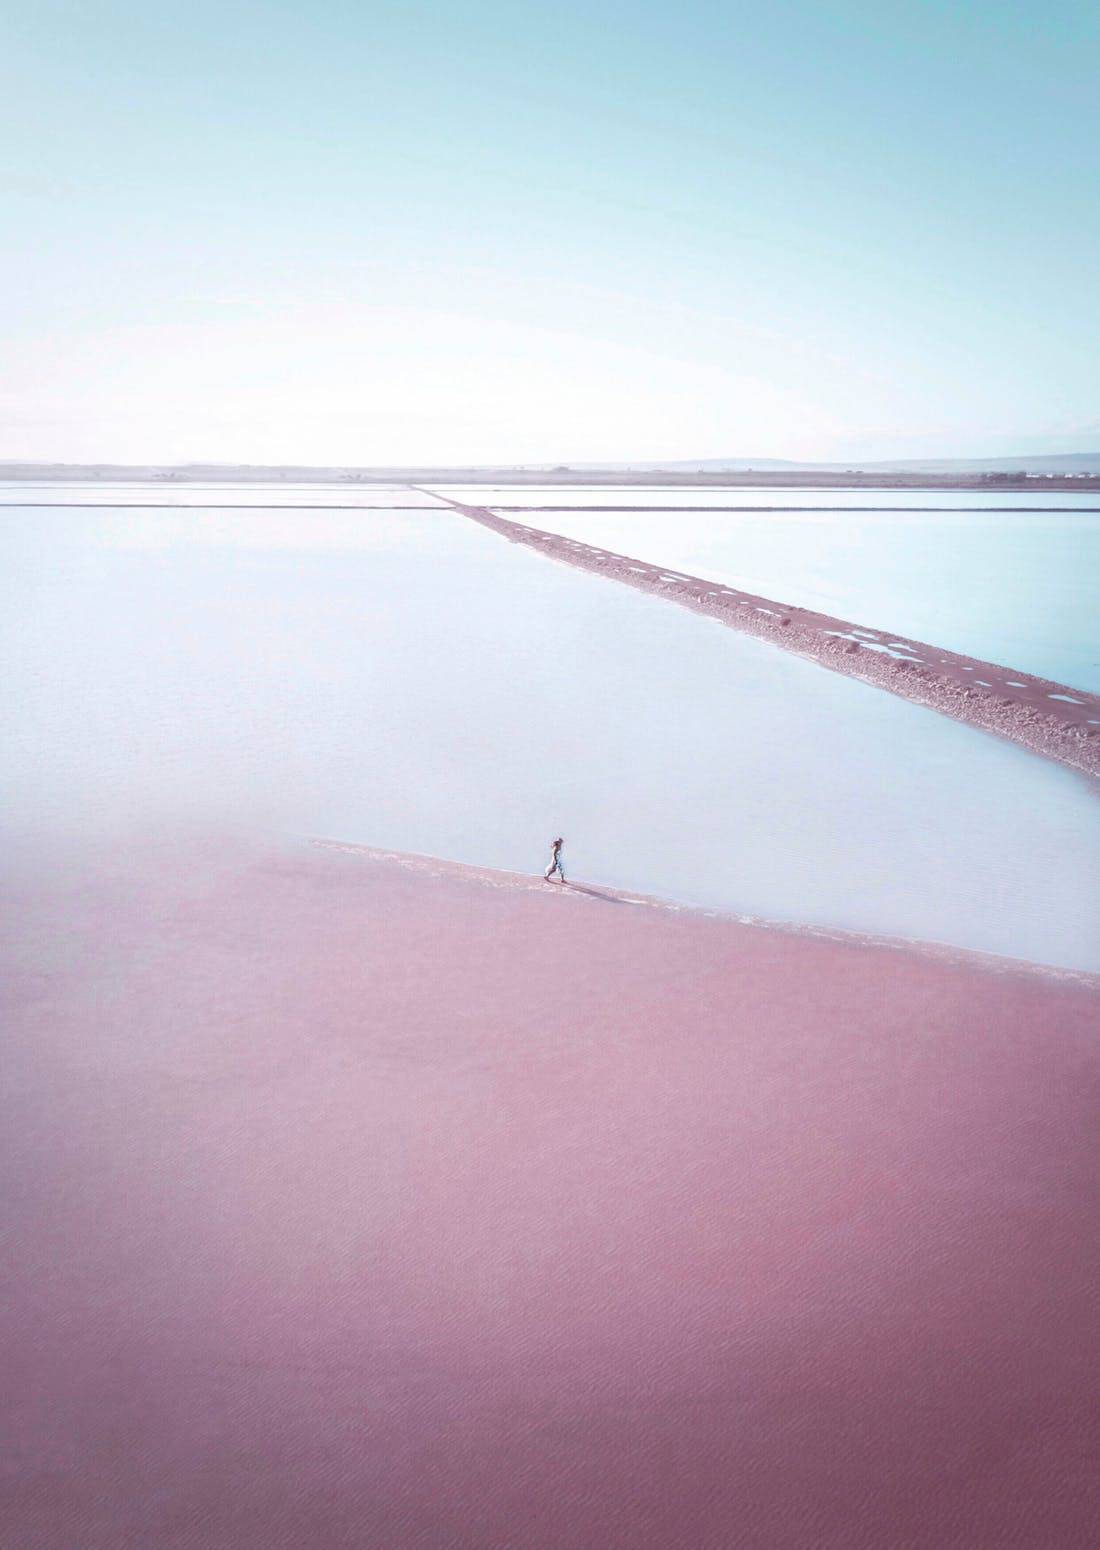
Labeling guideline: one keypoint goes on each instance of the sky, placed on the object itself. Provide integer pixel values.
(354, 232)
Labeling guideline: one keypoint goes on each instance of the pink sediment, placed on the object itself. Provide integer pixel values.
(370, 1201)
(494, 877)
(1045, 717)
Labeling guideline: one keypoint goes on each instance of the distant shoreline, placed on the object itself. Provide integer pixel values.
(832, 479)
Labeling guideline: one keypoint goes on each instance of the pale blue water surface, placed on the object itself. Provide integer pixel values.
(747, 497)
(409, 680)
(212, 493)
(1015, 588)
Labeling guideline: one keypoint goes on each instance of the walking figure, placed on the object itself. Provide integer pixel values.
(555, 869)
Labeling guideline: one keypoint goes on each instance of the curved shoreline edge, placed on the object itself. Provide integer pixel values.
(353, 1205)
(581, 890)
(1047, 718)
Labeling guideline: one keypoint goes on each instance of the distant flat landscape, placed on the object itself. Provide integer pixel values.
(1074, 471)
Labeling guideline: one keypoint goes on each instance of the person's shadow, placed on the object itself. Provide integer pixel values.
(597, 893)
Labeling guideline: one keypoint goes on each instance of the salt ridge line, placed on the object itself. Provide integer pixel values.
(1047, 718)
(583, 892)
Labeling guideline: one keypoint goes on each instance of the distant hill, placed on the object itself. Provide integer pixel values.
(1046, 463)
(1063, 469)
(1049, 463)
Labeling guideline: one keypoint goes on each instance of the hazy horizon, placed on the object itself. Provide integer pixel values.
(382, 237)
(649, 464)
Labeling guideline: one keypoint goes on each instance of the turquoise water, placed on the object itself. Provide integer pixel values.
(408, 680)
(1019, 589)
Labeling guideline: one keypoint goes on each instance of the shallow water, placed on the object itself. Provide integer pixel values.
(1018, 589)
(171, 492)
(746, 497)
(412, 681)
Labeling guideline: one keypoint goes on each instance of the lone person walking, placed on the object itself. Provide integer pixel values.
(555, 869)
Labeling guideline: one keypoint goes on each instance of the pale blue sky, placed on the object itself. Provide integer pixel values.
(363, 232)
